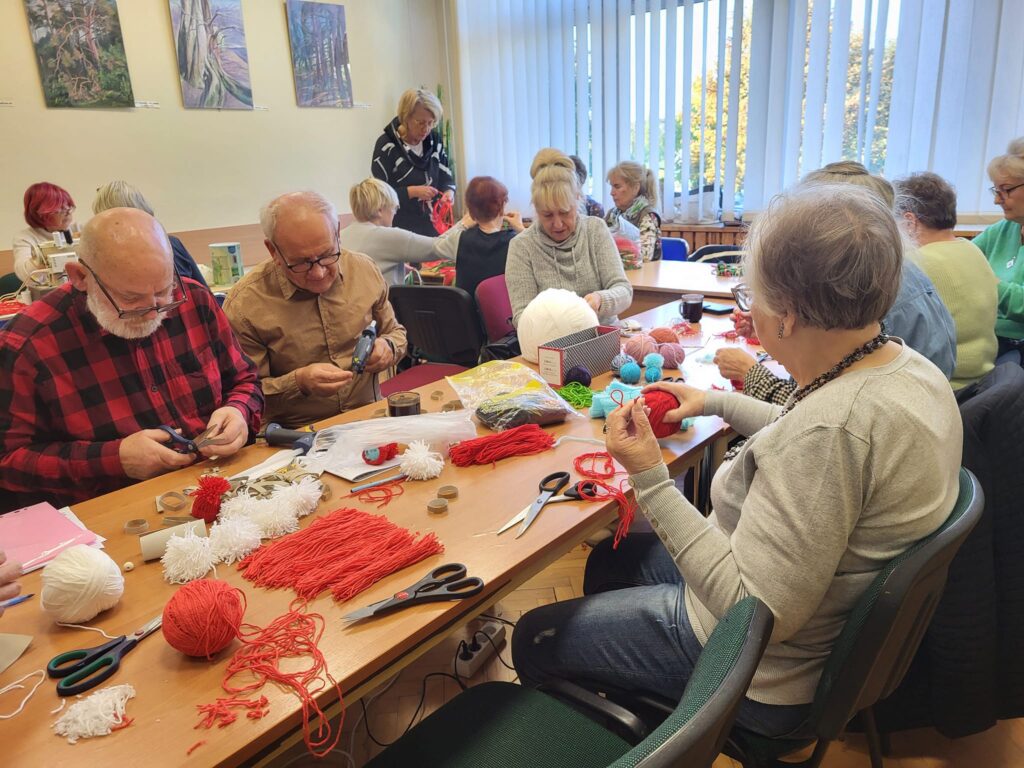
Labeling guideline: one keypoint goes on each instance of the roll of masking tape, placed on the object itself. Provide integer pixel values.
(437, 506)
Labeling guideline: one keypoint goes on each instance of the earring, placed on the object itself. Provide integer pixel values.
(782, 329)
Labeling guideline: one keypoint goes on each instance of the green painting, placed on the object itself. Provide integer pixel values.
(80, 53)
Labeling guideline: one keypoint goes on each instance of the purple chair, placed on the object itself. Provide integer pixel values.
(495, 307)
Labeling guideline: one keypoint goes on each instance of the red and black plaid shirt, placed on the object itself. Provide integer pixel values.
(70, 391)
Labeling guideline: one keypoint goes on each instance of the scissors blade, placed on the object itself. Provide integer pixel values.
(148, 628)
(363, 613)
(531, 514)
(517, 519)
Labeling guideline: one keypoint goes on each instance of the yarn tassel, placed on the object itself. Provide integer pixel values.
(345, 551)
(599, 467)
(518, 441)
(208, 497)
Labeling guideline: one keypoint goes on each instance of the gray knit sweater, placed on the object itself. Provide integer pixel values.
(814, 505)
(586, 263)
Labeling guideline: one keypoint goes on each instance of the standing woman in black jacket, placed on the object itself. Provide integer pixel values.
(410, 157)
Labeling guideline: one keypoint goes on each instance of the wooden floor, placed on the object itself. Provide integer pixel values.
(390, 712)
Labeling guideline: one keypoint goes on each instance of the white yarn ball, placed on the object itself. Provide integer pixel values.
(553, 313)
(79, 583)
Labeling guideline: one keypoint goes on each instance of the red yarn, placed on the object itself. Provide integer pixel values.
(195, 746)
(382, 494)
(345, 551)
(518, 441)
(203, 617)
(384, 453)
(684, 328)
(586, 465)
(627, 507)
(442, 215)
(661, 403)
(208, 497)
(219, 713)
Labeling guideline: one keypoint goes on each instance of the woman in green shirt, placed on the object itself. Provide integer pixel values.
(1003, 247)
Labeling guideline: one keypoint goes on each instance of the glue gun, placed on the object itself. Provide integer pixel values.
(364, 348)
(275, 434)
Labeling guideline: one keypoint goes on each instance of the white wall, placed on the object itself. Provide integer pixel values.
(204, 168)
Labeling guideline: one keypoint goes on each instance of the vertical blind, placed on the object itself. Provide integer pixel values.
(730, 101)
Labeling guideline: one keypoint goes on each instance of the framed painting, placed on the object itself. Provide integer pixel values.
(319, 54)
(80, 53)
(213, 60)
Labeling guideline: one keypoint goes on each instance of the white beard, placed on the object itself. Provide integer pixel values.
(107, 317)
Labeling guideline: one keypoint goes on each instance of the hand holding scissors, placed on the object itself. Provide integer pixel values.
(446, 582)
(86, 668)
(182, 444)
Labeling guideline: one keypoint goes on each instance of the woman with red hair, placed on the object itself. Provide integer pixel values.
(48, 209)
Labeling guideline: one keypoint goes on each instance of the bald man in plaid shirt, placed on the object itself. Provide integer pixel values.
(90, 371)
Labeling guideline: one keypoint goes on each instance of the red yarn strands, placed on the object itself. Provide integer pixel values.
(220, 712)
(345, 551)
(442, 215)
(586, 465)
(518, 441)
(208, 497)
(598, 467)
(381, 495)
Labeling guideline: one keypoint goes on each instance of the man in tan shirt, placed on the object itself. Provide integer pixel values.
(299, 315)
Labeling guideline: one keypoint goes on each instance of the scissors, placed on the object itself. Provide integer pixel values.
(86, 668)
(203, 439)
(550, 486)
(446, 582)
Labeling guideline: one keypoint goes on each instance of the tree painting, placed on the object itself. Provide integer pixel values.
(80, 53)
(213, 61)
(319, 54)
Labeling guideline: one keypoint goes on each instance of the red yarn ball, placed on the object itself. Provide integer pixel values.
(661, 403)
(208, 497)
(203, 617)
(664, 336)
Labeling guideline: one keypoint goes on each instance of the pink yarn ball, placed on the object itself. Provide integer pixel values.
(664, 335)
(674, 354)
(640, 345)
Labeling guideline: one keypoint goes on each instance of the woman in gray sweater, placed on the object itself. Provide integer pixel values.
(562, 249)
(859, 464)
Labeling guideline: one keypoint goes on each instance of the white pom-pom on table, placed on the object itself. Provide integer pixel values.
(553, 313)
(419, 462)
(234, 538)
(187, 557)
(79, 583)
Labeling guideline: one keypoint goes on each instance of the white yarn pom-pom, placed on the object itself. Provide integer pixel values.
(552, 314)
(79, 583)
(280, 513)
(421, 463)
(95, 715)
(233, 539)
(187, 557)
(301, 497)
(274, 519)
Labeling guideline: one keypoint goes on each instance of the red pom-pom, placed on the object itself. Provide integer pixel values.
(661, 403)
(208, 496)
(377, 456)
(203, 617)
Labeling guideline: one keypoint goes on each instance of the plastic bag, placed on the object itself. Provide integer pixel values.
(506, 394)
(348, 441)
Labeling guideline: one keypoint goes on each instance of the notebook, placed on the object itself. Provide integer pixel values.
(34, 535)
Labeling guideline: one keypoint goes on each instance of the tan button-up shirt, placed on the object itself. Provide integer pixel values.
(283, 328)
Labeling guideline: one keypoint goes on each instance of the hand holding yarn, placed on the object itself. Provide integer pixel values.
(630, 440)
(690, 399)
(733, 362)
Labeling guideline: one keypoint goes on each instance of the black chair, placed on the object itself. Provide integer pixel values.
(877, 644)
(441, 321)
(9, 283)
(502, 725)
(713, 254)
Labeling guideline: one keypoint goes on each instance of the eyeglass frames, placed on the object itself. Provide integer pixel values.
(744, 296)
(137, 313)
(1003, 192)
(305, 266)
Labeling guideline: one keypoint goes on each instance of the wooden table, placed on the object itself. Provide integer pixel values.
(658, 282)
(169, 685)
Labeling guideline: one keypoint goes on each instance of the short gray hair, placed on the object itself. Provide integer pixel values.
(120, 194)
(371, 196)
(830, 253)
(308, 198)
(1011, 164)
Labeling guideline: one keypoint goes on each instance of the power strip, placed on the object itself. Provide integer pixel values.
(469, 661)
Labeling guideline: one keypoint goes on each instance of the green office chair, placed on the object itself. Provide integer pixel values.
(877, 644)
(9, 283)
(502, 725)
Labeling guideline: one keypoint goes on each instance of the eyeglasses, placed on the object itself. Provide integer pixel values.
(136, 313)
(63, 211)
(305, 266)
(1003, 192)
(744, 296)
(428, 124)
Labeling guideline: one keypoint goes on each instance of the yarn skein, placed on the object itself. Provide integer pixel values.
(620, 360)
(664, 335)
(203, 617)
(578, 374)
(673, 353)
(630, 373)
(661, 403)
(552, 314)
(80, 583)
(640, 345)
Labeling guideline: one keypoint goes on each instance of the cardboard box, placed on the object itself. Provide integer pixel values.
(592, 349)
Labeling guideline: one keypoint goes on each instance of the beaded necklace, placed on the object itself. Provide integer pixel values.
(832, 373)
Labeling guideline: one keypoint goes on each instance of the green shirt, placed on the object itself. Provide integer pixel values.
(969, 290)
(1002, 247)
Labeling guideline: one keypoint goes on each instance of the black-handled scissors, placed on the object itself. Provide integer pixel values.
(86, 668)
(182, 444)
(584, 490)
(446, 582)
(549, 487)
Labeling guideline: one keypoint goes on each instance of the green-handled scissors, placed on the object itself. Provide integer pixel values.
(86, 668)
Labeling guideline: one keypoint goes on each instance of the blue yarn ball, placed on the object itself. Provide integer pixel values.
(654, 360)
(578, 374)
(652, 373)
(620, 360)
(630, 373)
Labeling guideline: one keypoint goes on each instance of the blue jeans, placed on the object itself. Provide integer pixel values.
(631, 631)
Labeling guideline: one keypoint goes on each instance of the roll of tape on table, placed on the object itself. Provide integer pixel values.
(403, 404)
(135, 527)
(448, 492)
(437, 506)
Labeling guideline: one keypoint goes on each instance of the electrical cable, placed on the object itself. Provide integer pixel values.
(495, 647)
(423, 695)
(497, 618)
